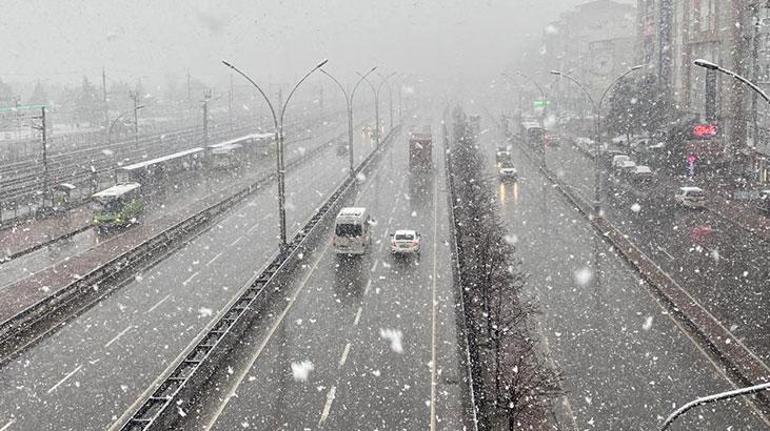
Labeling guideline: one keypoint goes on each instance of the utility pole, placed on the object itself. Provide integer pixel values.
(43, 134)
(206, 97)
(321, 102)
(230, 106)
(105, 109)
(134, 96)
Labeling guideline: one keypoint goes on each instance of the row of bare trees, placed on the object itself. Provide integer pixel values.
(513, 385)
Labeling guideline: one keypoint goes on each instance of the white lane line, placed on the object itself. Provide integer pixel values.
(344, 355)
(328, 405)
(433, 312)
(6, 426)
(358, 316)
(72, 373)
(253, 228)
(666, 252)
(390, 221)
(374, 266)
(189, 279)
(232, 392)
(214, 258)
(157, 304)
(236, 241)
(242, 375)
(368, 285)
(119, 335)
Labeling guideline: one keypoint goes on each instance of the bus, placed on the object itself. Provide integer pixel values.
(352, 234)
(118, 206)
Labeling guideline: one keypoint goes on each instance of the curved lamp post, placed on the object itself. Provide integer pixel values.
(539, 88)
(349, 102)
(278, 123)
(376, 91)
(597, 124)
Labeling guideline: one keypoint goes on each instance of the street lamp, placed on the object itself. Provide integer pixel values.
(597, 121)
(278, 123)
(376, 91)
(390, 97)
(349, 101)
(539, 87)
(713, 66)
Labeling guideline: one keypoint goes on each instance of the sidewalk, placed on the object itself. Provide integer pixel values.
(34, 234)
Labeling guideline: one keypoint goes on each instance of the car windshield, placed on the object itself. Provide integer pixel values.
(348, 230)
(404, 237)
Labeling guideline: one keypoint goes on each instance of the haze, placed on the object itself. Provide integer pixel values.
(61, 41)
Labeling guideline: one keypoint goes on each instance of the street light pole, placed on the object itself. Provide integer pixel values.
(715, 67)
(349, 102)
(134, 96)
(540, 89)
(376, 91)
(597, 133)
(278, 123)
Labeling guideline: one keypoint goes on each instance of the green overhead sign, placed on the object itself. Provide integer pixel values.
(20, 108)
(541, 103)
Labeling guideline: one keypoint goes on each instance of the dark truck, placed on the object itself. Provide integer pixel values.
(421, 149)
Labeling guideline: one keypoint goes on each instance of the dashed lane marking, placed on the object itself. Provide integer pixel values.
(120, 334)
(344, 355)
(71, 373)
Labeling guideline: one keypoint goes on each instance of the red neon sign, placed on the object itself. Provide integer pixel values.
(704, 131)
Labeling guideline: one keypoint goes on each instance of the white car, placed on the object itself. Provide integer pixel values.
(618, 159)
(626, 166)
(691, 197)
(405, 242)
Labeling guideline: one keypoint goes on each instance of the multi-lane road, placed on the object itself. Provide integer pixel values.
(627, 362)
(86, 374)
(371, 343)
(362, 343)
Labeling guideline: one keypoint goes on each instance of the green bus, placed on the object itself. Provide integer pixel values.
(118, 206)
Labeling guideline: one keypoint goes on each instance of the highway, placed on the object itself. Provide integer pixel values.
(353, 346)
(626, 362)
(86, 374)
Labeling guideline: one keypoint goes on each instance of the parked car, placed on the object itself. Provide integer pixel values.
(690, 197)
(640, 173)
(405, 242)
(617, 159)
(625, 167)
(763, 202)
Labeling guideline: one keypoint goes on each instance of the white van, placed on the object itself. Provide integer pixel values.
(352, 231)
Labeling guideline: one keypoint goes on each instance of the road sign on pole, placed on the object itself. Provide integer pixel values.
(540, 103)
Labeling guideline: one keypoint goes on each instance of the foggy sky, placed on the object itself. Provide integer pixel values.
(62, 40)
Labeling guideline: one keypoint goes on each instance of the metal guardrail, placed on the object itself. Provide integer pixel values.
(740, 362)
(116, 267)
(180, 387)
(458, 284)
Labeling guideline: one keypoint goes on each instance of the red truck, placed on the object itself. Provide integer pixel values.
(421, 149)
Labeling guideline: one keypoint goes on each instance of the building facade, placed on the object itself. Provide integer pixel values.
(671, 34)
